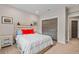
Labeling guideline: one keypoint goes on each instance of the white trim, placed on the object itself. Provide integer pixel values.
(49, 18)
(63, 42)
(73, 14)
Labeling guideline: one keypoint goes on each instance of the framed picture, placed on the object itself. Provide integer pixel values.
(6, 20)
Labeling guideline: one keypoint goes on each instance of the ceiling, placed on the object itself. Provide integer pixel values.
(40, 9)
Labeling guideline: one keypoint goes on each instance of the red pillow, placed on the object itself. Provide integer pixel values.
(27, 31)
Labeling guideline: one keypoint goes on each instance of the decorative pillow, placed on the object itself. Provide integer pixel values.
(18, 32)
(27, 31)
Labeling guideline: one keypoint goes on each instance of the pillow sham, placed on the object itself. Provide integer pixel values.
(27, 31)
(18, 32)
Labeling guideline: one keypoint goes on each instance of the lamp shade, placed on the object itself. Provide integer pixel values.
(18, 23)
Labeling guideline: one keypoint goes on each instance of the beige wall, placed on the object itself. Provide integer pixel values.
(24, 18)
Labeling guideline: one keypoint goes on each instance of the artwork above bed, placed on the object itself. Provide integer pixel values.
(6, 20)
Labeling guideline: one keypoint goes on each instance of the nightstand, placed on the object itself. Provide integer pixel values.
(6, 40)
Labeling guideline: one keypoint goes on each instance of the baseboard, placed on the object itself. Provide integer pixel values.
(62, 42)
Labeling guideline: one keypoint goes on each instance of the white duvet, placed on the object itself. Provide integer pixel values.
(33, 43)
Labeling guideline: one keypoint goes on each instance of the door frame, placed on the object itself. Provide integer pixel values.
(70, 19)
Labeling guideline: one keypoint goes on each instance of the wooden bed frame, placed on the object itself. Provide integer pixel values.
(45, 49)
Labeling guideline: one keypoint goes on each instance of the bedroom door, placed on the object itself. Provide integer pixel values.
(74, 29)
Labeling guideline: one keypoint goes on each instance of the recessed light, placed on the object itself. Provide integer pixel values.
(49, 9)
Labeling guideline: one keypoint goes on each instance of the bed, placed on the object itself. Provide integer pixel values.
(32, 43)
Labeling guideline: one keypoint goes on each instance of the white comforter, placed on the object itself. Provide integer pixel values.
(33, 43)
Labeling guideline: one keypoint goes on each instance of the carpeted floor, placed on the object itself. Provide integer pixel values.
(69, 48)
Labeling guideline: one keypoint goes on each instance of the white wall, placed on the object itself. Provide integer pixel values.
(24, 18)
(60, 13)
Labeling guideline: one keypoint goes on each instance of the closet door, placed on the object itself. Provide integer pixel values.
(49, 27)
(74, 29)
